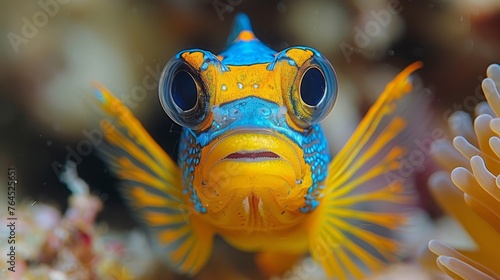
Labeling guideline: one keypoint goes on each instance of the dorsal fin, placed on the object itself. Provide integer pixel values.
(241, 30)
(243, 47)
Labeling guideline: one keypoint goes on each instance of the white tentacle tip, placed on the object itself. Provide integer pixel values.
(493, 72)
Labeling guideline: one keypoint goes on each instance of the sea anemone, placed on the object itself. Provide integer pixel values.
(469, 189)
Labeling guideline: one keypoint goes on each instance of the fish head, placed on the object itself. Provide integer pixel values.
(250, 119)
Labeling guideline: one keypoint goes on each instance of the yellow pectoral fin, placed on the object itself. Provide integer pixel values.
(151, 183)
(188, 243)
(352, 229)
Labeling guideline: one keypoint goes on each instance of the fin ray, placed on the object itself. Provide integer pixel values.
(152, 186)
(352, 226)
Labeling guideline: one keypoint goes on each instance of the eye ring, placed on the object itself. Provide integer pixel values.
(182, 94)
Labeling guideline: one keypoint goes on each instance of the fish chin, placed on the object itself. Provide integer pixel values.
(248, 199)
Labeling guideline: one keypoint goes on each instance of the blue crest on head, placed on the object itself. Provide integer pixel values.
(245, 50)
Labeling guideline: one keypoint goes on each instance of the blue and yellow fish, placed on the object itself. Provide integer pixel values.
(254, 166)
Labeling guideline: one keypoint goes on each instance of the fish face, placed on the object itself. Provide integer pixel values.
(251, 144)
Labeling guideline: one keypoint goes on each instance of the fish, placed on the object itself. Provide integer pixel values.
(254, 167)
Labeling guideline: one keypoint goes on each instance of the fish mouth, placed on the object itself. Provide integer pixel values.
(252, 156)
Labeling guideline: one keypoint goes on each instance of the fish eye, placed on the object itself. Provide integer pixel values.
(183, 90)
(182, 94)
(312, 87)
(311, 95)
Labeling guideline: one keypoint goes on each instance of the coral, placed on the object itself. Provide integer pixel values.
(70, 246)
(470, 188)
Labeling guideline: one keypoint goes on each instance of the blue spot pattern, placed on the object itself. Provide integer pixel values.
(98, 94)
(317, 156)
(189, 158)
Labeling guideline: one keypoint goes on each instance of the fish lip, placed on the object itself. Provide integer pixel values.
(282, 149)
(252, 155)
(235, 132)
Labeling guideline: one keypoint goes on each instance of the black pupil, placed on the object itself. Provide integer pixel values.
(312, 87)
(184, 91)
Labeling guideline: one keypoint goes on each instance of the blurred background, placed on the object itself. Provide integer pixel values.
(52, 50)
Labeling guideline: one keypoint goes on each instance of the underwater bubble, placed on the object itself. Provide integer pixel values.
(281, 7)
(139, 59)
(104, 196)
(284, 45)
(469, 45)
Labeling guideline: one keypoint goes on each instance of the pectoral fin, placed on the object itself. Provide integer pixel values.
(151, 183)
(361, 206)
